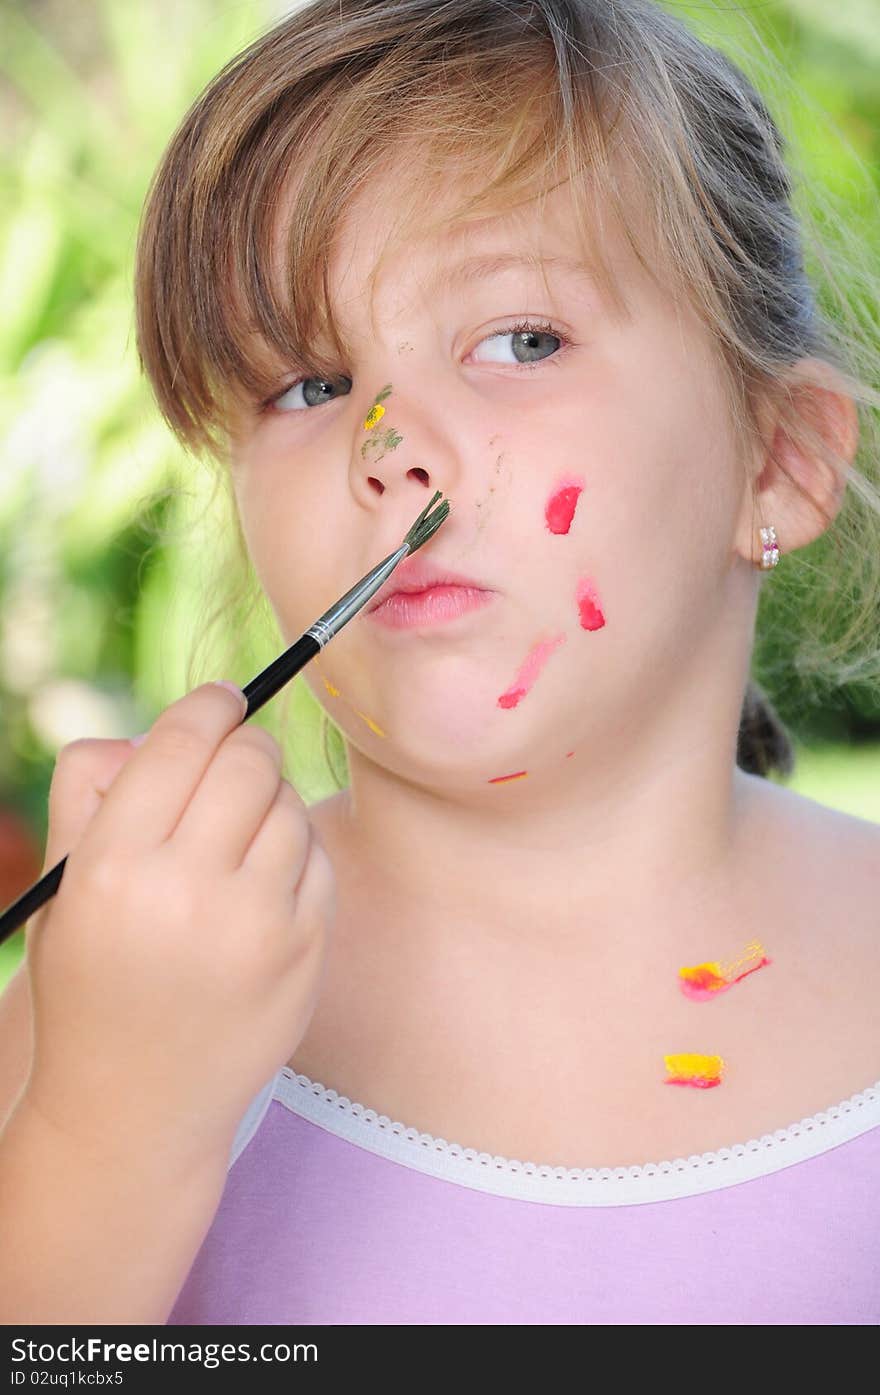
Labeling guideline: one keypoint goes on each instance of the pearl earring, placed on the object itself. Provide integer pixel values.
(771, 551)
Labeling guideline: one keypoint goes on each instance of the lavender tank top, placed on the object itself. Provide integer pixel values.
(333, 1214)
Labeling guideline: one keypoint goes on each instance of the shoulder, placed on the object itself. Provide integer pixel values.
(833, 854)
(810, 892)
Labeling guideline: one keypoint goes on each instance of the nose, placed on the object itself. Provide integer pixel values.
(399, 448)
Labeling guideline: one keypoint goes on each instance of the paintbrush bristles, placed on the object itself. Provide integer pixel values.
(425, 527)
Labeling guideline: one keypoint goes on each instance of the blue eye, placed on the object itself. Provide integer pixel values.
(313, 391)
(525, 337)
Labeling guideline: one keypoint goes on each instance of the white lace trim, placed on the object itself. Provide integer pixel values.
(604, 1186)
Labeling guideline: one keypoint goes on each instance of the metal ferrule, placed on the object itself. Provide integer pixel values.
(332, 621)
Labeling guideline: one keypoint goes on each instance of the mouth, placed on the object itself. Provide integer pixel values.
(405, 610)
(413, 575)
(419, 593)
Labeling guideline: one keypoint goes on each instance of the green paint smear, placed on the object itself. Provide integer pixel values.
(389, 441)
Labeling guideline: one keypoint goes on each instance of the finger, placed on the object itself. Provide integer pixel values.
(233, 798)
(316, 889)
(84, 772)
(281, 845)
(148, 797)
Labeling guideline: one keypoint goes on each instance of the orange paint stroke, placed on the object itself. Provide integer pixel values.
(500, 779)
(370, 723)
(690, 1068)
(704, 981)
(334, 692)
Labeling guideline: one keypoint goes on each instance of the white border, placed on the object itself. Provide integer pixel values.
(561, 1186)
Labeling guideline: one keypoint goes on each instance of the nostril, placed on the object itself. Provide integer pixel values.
(422, 474)
(377, 485)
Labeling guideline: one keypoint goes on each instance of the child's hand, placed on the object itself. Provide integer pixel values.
(179, 963)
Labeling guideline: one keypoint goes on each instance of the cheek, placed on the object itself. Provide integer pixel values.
(293, 562)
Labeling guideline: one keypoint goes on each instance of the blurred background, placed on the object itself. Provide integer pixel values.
(97, 607)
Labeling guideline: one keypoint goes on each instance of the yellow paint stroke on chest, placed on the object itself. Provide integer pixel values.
(690, 1068)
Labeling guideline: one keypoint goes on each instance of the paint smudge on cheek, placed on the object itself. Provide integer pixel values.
(560, 507)
(502, 779)
(589, 609)
(334, 692)
(690, 1068)
(529, 670)
(700, 982)
(370, 723)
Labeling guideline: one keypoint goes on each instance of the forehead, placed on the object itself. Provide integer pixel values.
(397, 238)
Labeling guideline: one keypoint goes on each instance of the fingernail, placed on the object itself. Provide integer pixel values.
(136, 740)
(233, 688)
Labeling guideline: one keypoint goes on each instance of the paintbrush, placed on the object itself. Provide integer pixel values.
(267, 684)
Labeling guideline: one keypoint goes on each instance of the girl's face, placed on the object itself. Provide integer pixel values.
(595, 491)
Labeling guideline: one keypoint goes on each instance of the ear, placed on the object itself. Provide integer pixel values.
(793, 487)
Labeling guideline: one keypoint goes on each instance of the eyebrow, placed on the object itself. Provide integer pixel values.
(481, 267)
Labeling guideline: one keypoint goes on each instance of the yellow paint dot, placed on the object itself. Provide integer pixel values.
(374, 415)
(334, 692)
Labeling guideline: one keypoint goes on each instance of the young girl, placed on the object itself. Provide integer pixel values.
(558, 1011)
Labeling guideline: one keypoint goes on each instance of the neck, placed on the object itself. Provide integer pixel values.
(600, 857)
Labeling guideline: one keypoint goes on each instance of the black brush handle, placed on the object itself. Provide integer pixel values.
(279, 672)
(257, 692)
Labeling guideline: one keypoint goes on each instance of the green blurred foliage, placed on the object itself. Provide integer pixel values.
(95, 619)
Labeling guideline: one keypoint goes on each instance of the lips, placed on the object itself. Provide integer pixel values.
(414, 574)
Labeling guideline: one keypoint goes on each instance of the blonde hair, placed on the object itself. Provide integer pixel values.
(514, 98)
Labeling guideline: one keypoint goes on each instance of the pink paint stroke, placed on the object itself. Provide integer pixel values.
(698, 1082)
(529, 671)
(588, 605)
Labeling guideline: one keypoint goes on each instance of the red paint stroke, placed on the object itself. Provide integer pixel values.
(704, 986)
(588, 605)
(569, 753)
(699, 1082)
(701, 982)
(560, 507)
(529, 671)
(499, 779)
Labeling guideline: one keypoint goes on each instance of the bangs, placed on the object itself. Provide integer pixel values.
(235, 250)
